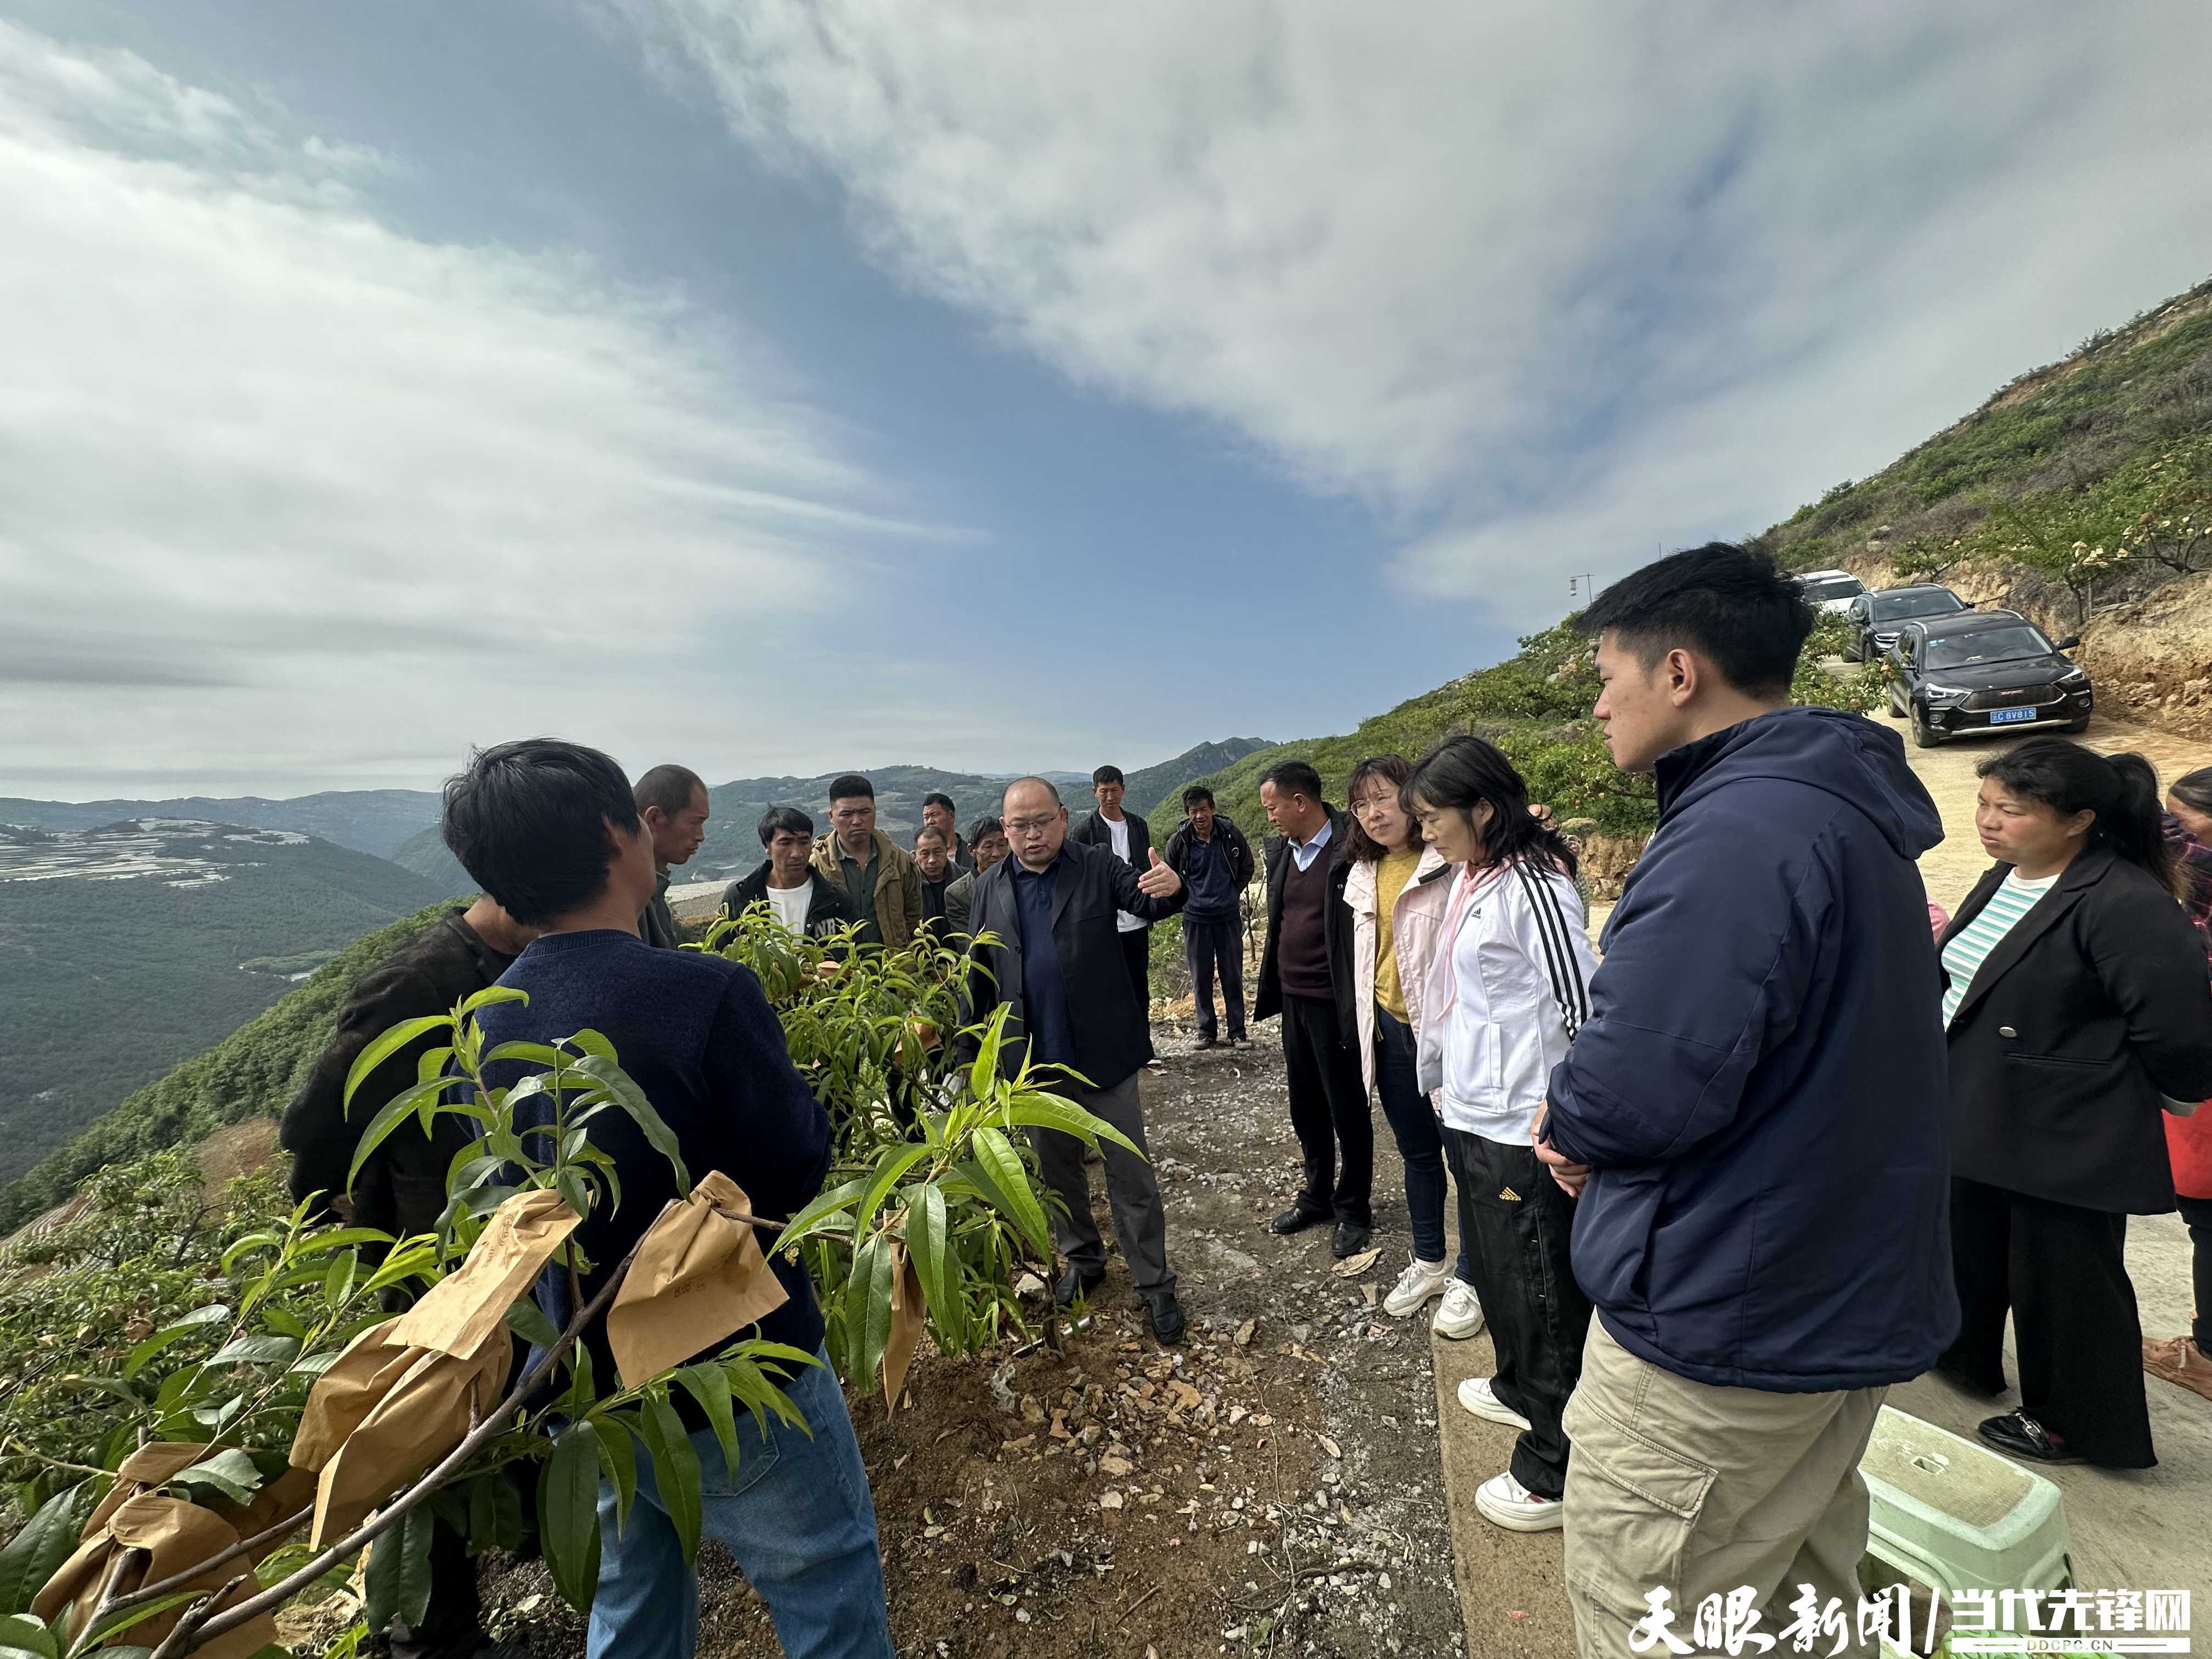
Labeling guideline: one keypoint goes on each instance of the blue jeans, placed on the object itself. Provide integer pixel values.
(796, 1517)
(1420, 1135)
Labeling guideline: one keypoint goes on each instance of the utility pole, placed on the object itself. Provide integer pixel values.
(1584, 585)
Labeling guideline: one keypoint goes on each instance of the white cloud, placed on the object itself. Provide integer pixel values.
(287, 496)
(1542, 285)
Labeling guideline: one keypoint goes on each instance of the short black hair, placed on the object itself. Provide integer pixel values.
(1735, 605)
(1107, 775)
(528, 820)
(850, 786)
(783, 819)
(931, 830)
(1293, 777)
(1196, 794)
(668, 787)
(985, 826)
(938, 798)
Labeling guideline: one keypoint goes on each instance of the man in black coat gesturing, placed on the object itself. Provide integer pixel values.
(1057, 964)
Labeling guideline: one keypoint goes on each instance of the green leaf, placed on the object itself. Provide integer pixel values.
(27, 1637)
(48, 1538)
(925, 1244)
(618, 1457)
(397, 1579)
(1007, 1184)
(494, 1513)
(115, 1624)
(568, 1516)
(489, 996)
(675, 1471)
(706, 1385)
(135, 1361)
(1048, 1112)
(588, 1042)
(397, 1111)
(536, 1053)
(262, 1350)
(337, 1283)
(867, 1311)
(230, 1472)
(388, 1045)
(896, 1161)
(602, 1070)
(825, 1205)
(528, 1321)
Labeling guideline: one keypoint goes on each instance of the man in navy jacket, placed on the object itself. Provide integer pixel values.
(1753, 1115)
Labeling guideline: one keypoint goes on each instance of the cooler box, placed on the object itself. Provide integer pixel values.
(1954, 1514)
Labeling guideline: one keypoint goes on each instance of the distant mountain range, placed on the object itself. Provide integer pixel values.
(373, 821)
(126, 947)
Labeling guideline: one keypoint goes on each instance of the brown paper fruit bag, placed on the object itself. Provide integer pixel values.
(148, 1467)
(175, 1534)
(907, 1314)
(458, 1312)
(430, 1405)
(699, 1279)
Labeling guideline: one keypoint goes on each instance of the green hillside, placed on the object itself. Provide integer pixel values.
(2110, 449)
(1158, 789)
(125, 949)
(253, 1073)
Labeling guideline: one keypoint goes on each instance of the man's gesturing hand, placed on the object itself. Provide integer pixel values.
(1572, 1177)
(1159, 881)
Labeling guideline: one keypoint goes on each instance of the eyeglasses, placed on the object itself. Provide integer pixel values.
(1030, 826)
(1373, 804)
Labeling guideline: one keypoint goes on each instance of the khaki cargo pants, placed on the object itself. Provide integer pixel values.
(1697, 1489)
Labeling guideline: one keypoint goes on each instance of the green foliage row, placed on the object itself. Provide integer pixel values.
(253, 1072)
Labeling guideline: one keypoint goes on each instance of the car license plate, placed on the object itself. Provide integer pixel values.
(2005, 716)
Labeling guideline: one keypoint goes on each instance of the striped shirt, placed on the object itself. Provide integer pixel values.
(1970, 947)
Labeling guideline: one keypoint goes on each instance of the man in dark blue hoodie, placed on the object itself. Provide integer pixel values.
(1753, 1115)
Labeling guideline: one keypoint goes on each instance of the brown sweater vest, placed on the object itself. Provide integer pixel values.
(1302, 956)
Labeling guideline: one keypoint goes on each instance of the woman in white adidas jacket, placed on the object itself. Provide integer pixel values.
(1396, 891)
(1507, 990)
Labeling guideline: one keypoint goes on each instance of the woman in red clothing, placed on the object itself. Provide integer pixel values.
(2184, 1359)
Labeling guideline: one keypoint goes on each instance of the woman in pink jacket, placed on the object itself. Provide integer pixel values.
(1396, 889)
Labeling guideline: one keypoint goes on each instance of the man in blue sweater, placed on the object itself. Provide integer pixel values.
(552, 831)
(1753, 1115)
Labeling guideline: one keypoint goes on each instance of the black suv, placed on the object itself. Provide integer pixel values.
(1874, 618)
(1983, 670)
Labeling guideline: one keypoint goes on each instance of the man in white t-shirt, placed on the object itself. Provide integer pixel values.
(797, 894)
(1128, 837)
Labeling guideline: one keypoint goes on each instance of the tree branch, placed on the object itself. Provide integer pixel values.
(177, 1580)
(396, 1511)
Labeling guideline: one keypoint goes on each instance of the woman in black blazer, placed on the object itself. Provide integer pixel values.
(2078, 1009)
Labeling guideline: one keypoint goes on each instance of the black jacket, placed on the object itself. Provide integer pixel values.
(1336, 926)
(656, 924)
(1113, 1032)
(1176, 853)
(828, 909)
(2089, 1010)
(402, 1187)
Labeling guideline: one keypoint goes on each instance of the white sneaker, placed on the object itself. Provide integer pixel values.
(1461, 1313)
(1475, 1395)
(1420, 1281)
(1506, 1502)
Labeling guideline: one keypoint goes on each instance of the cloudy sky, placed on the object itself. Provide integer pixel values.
(777, 387)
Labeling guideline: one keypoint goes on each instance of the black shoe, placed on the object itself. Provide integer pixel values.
(1203, 1044)
(2018, 1434)
(1075, 1282)
(1351, 1239)
(1296, 1220)
(1167, 1317)
(1240, 1042)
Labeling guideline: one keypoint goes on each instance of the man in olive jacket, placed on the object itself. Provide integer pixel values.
(879, 877)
